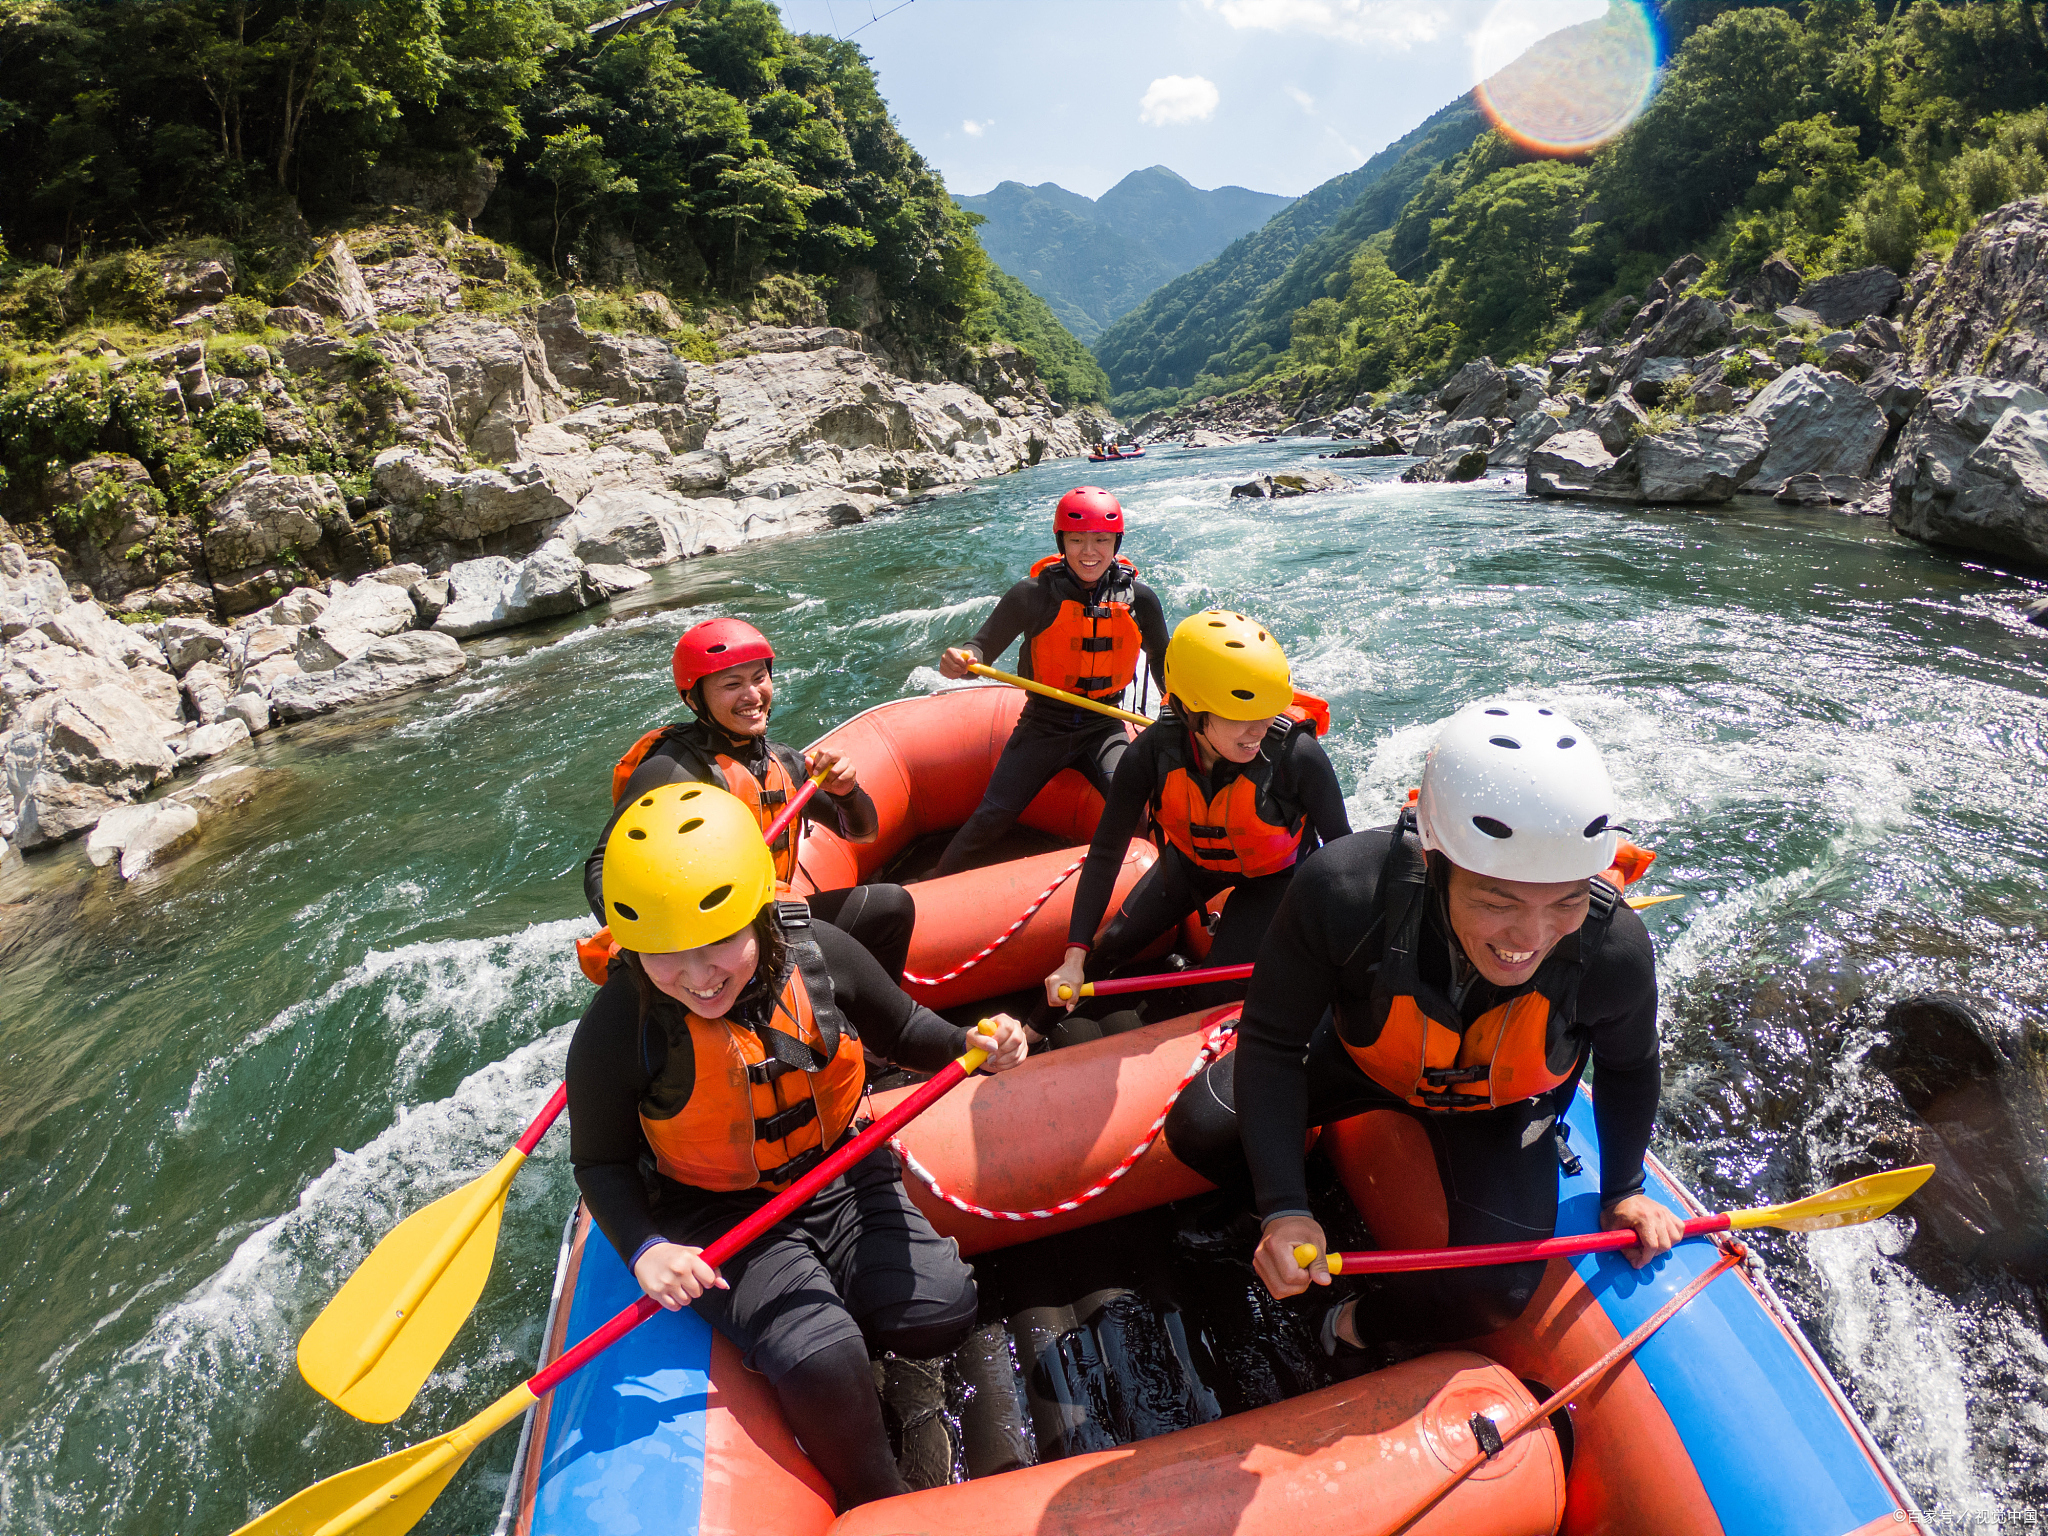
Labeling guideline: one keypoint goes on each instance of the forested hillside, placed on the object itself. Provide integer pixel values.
(1837, 135)
(708, 153)
(1094, 259)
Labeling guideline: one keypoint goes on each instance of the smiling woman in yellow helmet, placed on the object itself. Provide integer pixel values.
(1238, 789)
(726, 1056)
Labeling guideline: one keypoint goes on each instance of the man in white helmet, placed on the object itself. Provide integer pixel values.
(1461, 966)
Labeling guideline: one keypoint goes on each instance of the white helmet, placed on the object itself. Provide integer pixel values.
(1515, 790)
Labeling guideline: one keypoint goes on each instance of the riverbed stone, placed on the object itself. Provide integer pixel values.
(1578, 464)
(356, 615)
(494, 593)
(1848, 297)
(1820, 423)
(1702, 461)
(1295, 482)
(1616, 422)
(392, 665)
(1972, 469)
(96, 748)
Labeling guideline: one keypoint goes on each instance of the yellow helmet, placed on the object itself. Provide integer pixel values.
(1222, 663)
(684, 867)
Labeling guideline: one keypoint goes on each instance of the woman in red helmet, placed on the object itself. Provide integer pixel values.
(1083, 615)
(725, 671)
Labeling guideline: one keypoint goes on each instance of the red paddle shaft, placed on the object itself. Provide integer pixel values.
(573, 1360)
(790, 811)
(548, 1111)
(1169, 979)
(1512, 1253)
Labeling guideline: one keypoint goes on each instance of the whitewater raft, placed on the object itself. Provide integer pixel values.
(1115, 458)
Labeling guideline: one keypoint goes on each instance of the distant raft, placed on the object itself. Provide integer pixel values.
(1725, 1421)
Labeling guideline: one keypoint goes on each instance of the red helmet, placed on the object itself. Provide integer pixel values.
(1087, 509)
(715, 645)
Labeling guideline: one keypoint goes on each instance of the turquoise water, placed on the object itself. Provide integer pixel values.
(225, 1082)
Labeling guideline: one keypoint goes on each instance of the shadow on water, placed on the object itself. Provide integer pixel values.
(226, 1081)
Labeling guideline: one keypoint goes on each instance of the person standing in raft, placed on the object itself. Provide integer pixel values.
(1233, 778)
(724, 1057)
(1461, 967)
(1084, 615)
(725, 671)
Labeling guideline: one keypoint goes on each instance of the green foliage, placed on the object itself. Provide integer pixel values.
(99, 514)
(59, 420)
(1021, 318)
(231, 431)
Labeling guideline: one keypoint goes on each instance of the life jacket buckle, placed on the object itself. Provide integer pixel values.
(762, 1073)
(1096, 643)
(785, 1123)
(1443, 1076)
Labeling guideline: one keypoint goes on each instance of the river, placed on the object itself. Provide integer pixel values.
(225, 1082)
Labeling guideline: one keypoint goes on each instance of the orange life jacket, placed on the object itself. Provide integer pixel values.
(761, 1104)
(1414, 1045)
(1089, 648)
(785, 772)
(1252, 826)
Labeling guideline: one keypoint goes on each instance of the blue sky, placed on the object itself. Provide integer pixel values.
(1277, 95)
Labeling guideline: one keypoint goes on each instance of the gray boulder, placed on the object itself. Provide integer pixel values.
(1972, 469)
(257, 515)
(187, 640)
(1686, 328)
(611, 580)
(1481, 372)
(1655, 376)
(1512, 451)
(356, 615)
(1894, 390)
(1578, 464)
(495, 593)
(1820, 423)
(1824, 490)
(97, 748)
(434, 500)
(334, 286)
(390, 666)
(1703, 461)
(1987, 310)
(1616, 423)
(1293, 482)
(1849, 297)
(1453, 464)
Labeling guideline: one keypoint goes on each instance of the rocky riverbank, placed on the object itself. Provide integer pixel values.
(532, 467)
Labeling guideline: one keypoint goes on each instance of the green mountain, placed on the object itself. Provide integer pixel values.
(1021, 317)
(1227, 315)
(1092, 259)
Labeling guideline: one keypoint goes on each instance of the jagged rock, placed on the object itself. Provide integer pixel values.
(1703, 461)
(298, 607)
(495, 593)
(433, 500)
(1688, 327)
(208, 741)
(1818, 422)
(86, 627)
(1987, 312)
(291, 317)
(1578, 464)
(141, 835)
(258, 519)
(207, 687)
(611, 580)
(1480, 373)
(334, 286)
(1852, 362)
(778, 338)
(1877, 334)
(1778, 283)
(1849, 297)
(1454, 436)
(1616, 316)
(429, 596)
(1384, 447)
(395, 664)
(355, 616)
(191, 281)
(252, 709)
(1810, 490)
(181, 596)
(1510, 392)
(97, 748)
(1894, 390)
(30, 590)
(1616, 423)
(116, 547)
(1654, 377)
(1453, 464)
(1298, 482)
(1512, 451)
(1972, 469)
(2036, 612)
(186, 641)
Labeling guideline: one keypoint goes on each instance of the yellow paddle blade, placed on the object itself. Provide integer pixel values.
(1639, 902)
(387, 1497)
(378, 1341)
(1846, 1205)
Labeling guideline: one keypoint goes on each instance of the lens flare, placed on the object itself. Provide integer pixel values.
(1568, 91)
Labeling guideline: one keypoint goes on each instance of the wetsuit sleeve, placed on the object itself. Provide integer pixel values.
(1017, 614)
(606, 1082)
(1294, 984)
(890, 1022)
(852, 816)
(1315, 780)
(656, 769)
(1130, 792)
(1151, 621)
(1619, 999)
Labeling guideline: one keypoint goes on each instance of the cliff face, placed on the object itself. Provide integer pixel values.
(1987, 312)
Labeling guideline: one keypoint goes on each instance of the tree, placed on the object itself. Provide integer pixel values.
(574, 163)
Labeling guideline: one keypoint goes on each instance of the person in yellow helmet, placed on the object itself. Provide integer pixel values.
(724, 1058)
(1237, 788)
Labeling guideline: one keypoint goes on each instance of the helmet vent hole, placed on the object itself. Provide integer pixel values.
(1596, 826)
(1492, 828)
(626, 912)
(714, 899)
(1505, 741)
(1233, 645)
(1241, 693)
(1217, 624)
(638, 834)
(716, 649)
(648, 801)
(690, 826)
(1545, 711)
(1501, 712)
(689, 794)
(1262, 634)
(1564, 743)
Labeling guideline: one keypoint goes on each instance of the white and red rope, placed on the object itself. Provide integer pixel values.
(1000, 939)
(1211, 1048)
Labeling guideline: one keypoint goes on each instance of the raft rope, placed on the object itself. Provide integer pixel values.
(1002, 938)
(1212, 1047)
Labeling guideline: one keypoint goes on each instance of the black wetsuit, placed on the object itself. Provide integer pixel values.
(858, 1266)
(879, 916)
(1049, 735)
(1243, 1123)
(1177, 885)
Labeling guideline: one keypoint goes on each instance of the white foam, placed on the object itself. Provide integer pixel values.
(925, 618)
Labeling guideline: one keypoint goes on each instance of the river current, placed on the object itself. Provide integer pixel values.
(223, 1083)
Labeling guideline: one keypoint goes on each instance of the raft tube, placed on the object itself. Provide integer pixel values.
(1724, 1422)
(1115, 458)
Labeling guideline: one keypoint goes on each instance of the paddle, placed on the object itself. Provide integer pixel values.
(389, 1496)
(1057, 693)
(1164, 979)
(1846, 1205)
(373, 1347)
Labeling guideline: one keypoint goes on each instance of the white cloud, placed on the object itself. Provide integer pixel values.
(1173, 99)
(1398, 24)
(1301, 98)
(975, 130)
